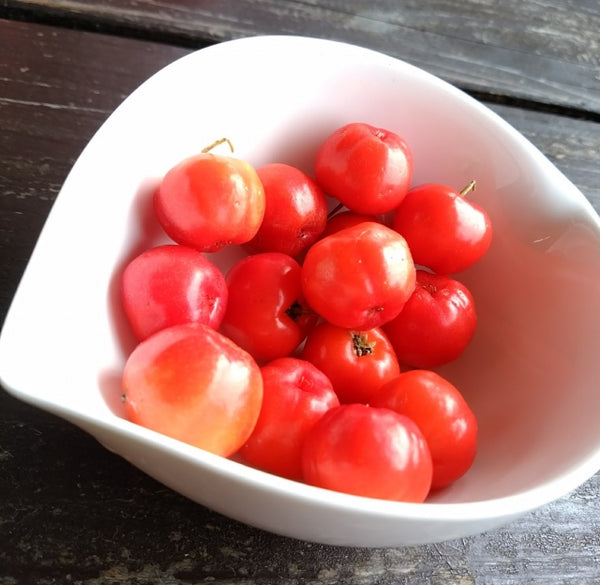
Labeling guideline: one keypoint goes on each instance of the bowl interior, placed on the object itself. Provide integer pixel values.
(531, 372)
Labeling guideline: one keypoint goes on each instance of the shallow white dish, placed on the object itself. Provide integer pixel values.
(530, 375)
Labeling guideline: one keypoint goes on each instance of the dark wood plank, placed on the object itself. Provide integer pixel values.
(544, 52)
(72, 512)
(572, 145)
(55, 92)
(49, 109)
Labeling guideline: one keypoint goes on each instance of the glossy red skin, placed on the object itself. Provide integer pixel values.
(295, 211)
(266, 311)
(358, 363)
(169, 285)
(445, 231)
(296, 395)
(193, 384)
(366, 451)
(436, 324)
(209, 201)
(360, 277)
(444, 417)
(368, 169)
(346, 219)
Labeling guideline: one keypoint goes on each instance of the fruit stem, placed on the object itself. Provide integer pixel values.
(296, 310)
(468, 188)
(217, 143)
(361, 345)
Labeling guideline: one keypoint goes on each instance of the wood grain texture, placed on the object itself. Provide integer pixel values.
(76, 513)
(71, 512)
(55, 92)
(60, 85)
(546, 51)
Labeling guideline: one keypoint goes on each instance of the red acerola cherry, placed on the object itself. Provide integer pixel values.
(445, 231)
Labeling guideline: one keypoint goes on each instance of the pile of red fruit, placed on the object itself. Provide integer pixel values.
(291, 361)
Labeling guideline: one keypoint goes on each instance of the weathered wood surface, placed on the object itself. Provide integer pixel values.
(71, 512)
(547, 51)
(55, 91)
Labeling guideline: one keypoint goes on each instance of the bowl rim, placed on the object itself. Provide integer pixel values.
(479, 510)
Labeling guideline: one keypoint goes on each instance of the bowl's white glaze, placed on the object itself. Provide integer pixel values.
(530, 374)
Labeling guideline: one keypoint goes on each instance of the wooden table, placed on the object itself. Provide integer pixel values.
(71, 512)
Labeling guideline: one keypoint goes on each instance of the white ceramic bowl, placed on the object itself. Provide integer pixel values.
(531, 374)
